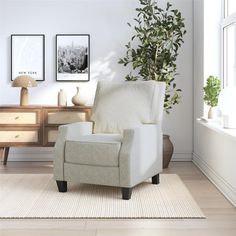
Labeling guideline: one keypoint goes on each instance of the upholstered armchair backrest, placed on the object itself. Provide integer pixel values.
(126, 105)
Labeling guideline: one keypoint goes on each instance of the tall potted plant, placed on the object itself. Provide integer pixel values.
(153, 49)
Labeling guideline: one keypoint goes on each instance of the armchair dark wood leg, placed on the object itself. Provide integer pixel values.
(156, 179)
(62, 186)
(4, 151)
(126, 193)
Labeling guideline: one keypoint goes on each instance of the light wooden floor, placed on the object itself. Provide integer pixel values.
(221, 215)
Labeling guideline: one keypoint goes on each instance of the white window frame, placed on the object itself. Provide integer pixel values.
(226, 22)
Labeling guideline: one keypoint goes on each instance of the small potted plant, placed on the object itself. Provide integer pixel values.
(211, 94)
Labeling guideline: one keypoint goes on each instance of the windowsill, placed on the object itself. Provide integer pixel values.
(218, 128)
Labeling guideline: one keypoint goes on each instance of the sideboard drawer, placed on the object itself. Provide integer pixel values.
(35, 126)
(18, 136)
(18, 118)
(52, 136)
(65, 117)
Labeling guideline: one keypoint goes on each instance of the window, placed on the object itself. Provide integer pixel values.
(229, 55)
(230, 7)
(229, 41)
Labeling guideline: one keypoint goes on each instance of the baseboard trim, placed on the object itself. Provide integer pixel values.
(31, 157)
(49, 157)
(182, 157)
(225, 188)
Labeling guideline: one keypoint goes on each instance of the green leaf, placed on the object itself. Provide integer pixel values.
(155, 45)
(212, 91)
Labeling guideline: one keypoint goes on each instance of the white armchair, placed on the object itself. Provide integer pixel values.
(123, 148)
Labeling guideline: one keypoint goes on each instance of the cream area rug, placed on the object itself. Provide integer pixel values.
(36, 196)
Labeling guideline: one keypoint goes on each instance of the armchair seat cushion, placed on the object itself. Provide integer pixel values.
(95, 150)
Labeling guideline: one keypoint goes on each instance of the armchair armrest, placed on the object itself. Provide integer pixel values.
(74, 130)
(67, 132)
(140, 154)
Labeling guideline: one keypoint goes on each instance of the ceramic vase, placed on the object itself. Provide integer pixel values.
(78, 99)
(62, 100)
(168, 150)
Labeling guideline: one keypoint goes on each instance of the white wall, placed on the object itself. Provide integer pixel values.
(105, 21)
(198, 58)
(214, 152)
(179, 123)
(207, 42)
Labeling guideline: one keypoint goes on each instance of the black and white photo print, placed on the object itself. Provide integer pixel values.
(72, 57)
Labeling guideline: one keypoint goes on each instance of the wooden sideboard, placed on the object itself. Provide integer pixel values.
(35, 126)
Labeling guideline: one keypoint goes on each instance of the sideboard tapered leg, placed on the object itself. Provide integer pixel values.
(4, 151)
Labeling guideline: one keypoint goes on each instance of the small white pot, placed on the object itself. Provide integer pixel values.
(212, 113)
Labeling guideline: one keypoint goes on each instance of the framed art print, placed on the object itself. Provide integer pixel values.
(28, 56)
(72, 57)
